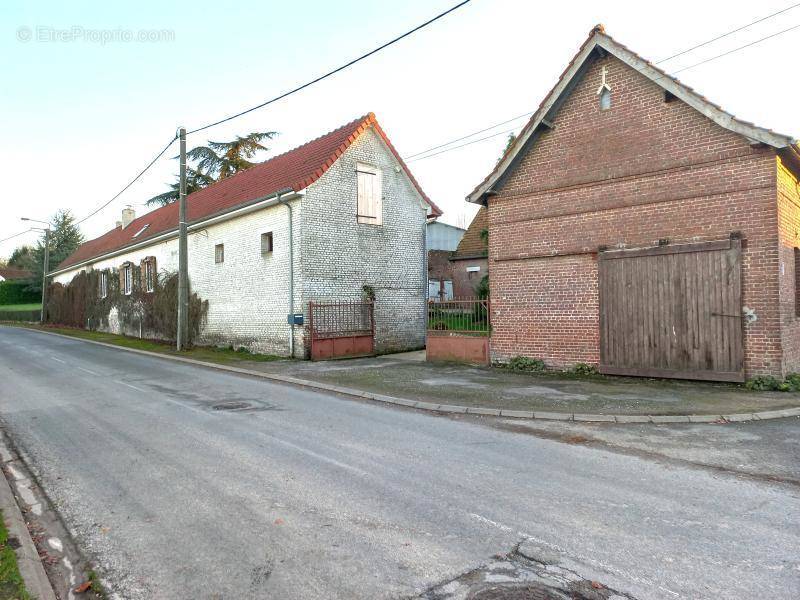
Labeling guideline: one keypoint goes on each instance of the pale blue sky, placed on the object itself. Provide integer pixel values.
(80, 118)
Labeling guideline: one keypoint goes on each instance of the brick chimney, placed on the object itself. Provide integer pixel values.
(128, 215)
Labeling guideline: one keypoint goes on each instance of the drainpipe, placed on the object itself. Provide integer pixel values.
(291, 271)
(425, 279)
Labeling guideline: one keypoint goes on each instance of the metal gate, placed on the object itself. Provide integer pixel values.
(672, 311)
(341, 329)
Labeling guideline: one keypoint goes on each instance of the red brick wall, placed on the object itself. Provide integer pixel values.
(789, 230)
(465, 282)
(643, 170)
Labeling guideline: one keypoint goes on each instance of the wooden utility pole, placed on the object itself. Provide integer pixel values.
(44, 273)
(183, 247)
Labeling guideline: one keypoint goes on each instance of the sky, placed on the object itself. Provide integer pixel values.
(86, 104)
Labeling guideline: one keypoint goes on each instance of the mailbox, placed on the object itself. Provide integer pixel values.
(295, 319)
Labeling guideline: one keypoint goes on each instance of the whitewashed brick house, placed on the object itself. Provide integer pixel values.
(358, 219)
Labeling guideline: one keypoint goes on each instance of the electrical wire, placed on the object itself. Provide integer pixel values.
(284, 95)
(702, 62)
(413, 157)
(333, 72)
(419, 155)
(130, 183)
(724, 35)
(488, 137)
(11, 237)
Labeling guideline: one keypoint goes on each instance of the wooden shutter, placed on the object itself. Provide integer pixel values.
(369, 195)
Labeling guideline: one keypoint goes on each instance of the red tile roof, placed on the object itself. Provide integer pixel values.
(9, 273)
(296, 169)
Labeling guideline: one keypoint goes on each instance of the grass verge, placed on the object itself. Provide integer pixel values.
(11, 585)
(224, 356)
(20, 307)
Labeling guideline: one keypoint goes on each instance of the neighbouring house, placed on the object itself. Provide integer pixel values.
(344, 207)
(14, 274)
(441, 241)
(469, 262)
(636, 226)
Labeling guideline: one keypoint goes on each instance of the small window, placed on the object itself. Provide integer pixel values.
(797, 282)
(369, 195)
(219, 253)
(605, 99)
(266, 242)
(103, 284)
(150, 275)
(127, 280)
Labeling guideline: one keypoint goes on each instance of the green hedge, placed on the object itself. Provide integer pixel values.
(20, 315)
(14, 292)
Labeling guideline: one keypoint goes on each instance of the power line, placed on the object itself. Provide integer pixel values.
(412, 156)
(11, 237)
(418, 155)
(488, 137)
(130, 183)
(284, 95)
(334, 71)
(702, 62)
(724, 35)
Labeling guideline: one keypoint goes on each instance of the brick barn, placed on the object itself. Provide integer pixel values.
(336, 219)
(636, 226)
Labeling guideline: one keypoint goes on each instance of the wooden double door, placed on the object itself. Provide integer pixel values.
(673, 311)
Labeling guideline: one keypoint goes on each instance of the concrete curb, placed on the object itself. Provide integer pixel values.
(451, 408)
(28, 560)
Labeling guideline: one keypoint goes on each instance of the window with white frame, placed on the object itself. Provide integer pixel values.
(149, 275)
(219, 253)
(370, 203)
(103, 283)
(127, 279)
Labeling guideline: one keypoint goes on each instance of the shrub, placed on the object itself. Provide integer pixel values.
(523, 363)
(792, 382)
(79, 305)
(763, 383)
(16, 292)
(583, 369)
(19, 315)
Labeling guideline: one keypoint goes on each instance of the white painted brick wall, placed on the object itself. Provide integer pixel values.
(333, 256)
(340, 255)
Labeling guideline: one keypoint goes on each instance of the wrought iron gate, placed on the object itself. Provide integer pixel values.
(341, 329)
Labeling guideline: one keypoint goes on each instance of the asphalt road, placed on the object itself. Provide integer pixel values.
(316, 496)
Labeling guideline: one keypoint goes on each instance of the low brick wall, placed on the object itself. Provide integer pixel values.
(455, 347)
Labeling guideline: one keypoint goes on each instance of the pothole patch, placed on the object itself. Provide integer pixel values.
(529, 591)
(242, 406)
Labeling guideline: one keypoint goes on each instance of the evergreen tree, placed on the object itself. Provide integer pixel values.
(215, 162)
(195, 180)
(65, 237)
(22, 258)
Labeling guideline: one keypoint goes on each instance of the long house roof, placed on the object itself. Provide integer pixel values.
(295, 170)
(599, 43)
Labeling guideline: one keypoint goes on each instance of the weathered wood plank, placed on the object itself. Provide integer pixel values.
(672, 312)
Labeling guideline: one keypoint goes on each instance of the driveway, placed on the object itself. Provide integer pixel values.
(308, 495)
(409, 376)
